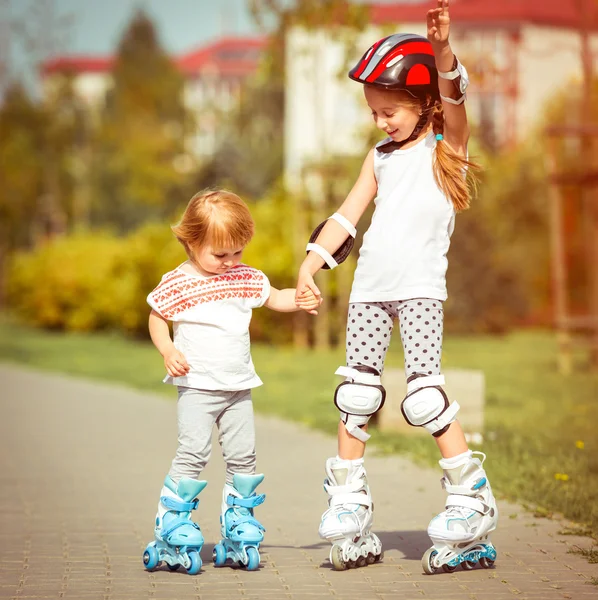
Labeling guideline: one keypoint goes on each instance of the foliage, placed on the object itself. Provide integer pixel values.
(69, 283)
(271, 251)
(249, 158)
(575, 156)
(21, 169)
(343, 16)
(89, 282)
(140, 143)
(96, 281)
(498, 261)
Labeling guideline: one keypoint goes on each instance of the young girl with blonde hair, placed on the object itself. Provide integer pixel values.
(415, 88)
(209, 299)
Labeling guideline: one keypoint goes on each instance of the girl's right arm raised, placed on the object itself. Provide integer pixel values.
(333, 234)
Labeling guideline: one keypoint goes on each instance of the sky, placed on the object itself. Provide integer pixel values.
(97, 26)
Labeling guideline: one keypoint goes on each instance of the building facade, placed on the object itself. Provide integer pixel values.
(518, 53)
(213, 76)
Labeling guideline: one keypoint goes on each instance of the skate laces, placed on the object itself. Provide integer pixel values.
(460, 512)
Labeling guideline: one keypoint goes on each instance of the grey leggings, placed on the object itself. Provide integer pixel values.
(370, 324)
(198, 411)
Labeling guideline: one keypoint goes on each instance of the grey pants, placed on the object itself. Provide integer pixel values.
(198, 411)
(369, 327)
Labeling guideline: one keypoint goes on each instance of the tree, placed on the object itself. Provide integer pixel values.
(308, 204)
(140, 166)
(21, 171)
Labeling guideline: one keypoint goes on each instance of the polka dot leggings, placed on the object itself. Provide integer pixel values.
(369, 327)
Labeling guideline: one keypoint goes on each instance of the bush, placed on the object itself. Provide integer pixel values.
(96, 281)
(93, 281)
(70, 283)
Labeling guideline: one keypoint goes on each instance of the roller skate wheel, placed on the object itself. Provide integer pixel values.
(151, 558)
(379, 557)
(195, 561)
(427, 559)
(253, 558)
(486, 563)
(361, 561)
(468, 565)
(336, 558)
(370, 559)
(219, 555)
(173, 567)
(449, 568)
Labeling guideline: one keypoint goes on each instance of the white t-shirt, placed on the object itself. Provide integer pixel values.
(211, 317)
(404, 251)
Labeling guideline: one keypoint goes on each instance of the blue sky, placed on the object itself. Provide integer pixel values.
(97, 25)
(182, 24)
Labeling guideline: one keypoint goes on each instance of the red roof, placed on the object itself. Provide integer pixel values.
(76, 64)
(230, 56)
(554, 13)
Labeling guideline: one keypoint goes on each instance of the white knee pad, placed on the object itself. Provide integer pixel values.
(359, 397)
(426, 405)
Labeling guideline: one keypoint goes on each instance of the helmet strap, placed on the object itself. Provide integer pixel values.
(423, 121)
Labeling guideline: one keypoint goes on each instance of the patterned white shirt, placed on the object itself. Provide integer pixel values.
(211, 317)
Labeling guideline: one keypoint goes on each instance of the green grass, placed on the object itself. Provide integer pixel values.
(535, 417)
(590, 553)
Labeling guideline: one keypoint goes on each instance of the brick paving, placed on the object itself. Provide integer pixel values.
(81, 466)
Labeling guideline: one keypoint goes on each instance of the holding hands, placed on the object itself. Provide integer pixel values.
(308, 301)
(438, 23)
(307, 294)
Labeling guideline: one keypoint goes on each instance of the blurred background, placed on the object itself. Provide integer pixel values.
(114, 114)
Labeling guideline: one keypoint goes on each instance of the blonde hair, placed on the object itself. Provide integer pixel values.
(215, 217)
(454, 174)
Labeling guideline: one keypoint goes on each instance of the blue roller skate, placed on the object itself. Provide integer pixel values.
(241, 532)
(461, 534)
(178, 539)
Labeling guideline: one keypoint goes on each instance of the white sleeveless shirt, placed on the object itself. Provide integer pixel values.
(404, 251)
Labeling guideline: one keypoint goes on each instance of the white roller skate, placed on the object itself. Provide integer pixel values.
(348, 520)
(242, 533)
(178, 539)
(461, 533)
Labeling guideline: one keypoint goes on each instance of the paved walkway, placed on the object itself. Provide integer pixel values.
(81, 465)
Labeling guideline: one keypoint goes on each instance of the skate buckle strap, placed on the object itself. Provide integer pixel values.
(446, 418)
(422, 382)
(466, 502)
(355, 498)
(173, 504)
(249, 502)
(467, 490)
(175, 524)
(247, 519)
(357, 432)
(353, 486)
(358, 376)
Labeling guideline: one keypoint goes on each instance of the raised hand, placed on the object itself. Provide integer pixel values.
(438, 23)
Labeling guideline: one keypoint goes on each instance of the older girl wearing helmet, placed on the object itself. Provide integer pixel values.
(418, 176)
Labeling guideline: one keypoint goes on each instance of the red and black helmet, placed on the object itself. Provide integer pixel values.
(403, 61)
